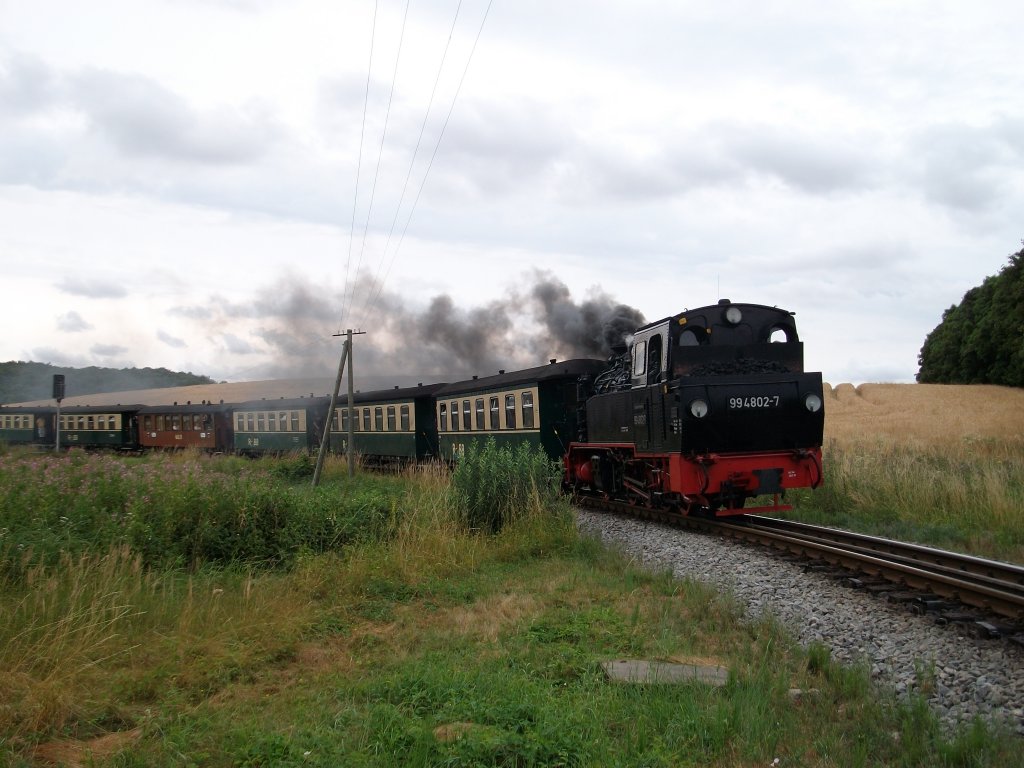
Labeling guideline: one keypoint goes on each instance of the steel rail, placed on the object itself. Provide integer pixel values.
(988, 585)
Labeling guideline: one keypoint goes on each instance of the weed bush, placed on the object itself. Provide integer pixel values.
(493, 485)
(175, 513)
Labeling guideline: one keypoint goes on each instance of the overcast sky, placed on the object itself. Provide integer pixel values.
(218, 186)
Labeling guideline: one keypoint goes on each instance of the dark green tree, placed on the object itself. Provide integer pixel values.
(980, 340)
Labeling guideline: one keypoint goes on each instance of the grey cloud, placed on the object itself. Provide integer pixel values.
(170, 341)
(141, 117)
(27, 85)
(94, 288)
(192, 313)
(810, 165)
(108, 350)
(236, 346)
(965, 167)
(72, 322)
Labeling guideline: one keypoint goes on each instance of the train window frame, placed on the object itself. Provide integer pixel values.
(526, 408)
(640, 358)
(453, 411)
(366, 420)
(510, 410)
(495, 412)
(378, 418)
(404, 418)
(481, 421)
(467, 415)
(392, 419)
(442, 416)
(787, 332)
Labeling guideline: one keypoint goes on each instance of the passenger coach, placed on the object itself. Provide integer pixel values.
(204, 426)
(27, 425)
(392, 426)
(279, 426)
(100, 426)
(537, 406)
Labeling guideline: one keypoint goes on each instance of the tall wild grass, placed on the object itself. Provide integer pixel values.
(967, 494)
(494, 485)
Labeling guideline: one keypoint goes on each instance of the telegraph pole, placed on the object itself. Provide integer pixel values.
(58, 395)
(346, 357)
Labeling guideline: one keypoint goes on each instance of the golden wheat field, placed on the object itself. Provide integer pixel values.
(924, 415)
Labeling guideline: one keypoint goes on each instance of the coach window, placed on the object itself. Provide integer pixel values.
(89, 423)
(344, 419)
(495, 419)
(366, 419)
(403, 417)
(480, 422)
(378, 419)
(527, 398)
(455, 415)
(261, 422)
(510, 411)
(444, 417)
(467, 415)
(81, 422)
(391, 418)
(639, 358)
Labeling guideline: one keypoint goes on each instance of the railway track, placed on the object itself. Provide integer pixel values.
(955, 587)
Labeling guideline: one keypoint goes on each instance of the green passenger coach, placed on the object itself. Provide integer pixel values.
(100, 426)
(389, 427)
(536, 406)
(279, 426)
(25, 425)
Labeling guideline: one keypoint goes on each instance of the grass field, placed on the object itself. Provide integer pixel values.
(198, 612)
(938, 464)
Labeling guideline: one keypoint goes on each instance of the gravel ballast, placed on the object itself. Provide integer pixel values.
(971, 676)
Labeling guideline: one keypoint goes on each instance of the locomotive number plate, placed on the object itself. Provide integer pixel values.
(755, 402)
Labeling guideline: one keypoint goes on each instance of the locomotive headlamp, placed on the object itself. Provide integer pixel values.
(733, 315)
(699, 408)
(813, 403)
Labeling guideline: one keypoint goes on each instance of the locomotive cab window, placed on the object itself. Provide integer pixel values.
(692, 337)
(640, 358)
(654, 359)
(780, 335)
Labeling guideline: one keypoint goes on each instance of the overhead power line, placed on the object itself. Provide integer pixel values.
(371, 305)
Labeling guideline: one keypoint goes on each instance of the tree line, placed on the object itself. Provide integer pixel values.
(981, 339)
(25, 381)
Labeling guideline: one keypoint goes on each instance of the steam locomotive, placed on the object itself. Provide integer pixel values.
(706, 410)
(700, 412)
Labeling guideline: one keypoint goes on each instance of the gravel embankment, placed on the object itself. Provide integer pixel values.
(972, 676)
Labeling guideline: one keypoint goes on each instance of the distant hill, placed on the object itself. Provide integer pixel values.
(20, 382)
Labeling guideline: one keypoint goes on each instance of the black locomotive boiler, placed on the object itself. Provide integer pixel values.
(705, 411)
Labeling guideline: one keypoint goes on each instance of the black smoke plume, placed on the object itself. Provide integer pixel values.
(408, 342)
